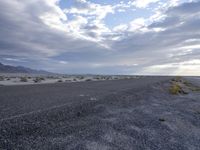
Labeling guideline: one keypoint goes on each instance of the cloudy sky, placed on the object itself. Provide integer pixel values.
(102, 36)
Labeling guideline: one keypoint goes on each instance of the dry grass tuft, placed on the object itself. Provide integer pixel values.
(175, 89)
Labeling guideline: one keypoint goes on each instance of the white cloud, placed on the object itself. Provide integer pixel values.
(63, 62)
(137, 24)
(143, 3)
(182, 68)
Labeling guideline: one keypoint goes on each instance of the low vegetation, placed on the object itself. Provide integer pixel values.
(23, 79)
(60, 80)
(38, 79)
(88, 80)
(175, 89)
(180, 86)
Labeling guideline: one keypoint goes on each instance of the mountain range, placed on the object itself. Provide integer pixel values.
(20, 69)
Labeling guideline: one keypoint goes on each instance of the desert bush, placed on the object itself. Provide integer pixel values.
(175, 89)
(23, 79)
(60, 80)
(42, 78)
(38, 79)
(88, 80)
(81, 78)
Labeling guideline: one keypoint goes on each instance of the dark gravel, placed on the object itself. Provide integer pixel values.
(123, 115)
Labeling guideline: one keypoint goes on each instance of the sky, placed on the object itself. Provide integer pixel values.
(136, 37)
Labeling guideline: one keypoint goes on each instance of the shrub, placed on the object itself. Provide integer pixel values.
(38, 79)
(23, 79)
(81, 78)
(175, 89)
(41, 78)
(88, 80)
(60, 80)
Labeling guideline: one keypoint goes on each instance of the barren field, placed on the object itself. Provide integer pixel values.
(142, 113)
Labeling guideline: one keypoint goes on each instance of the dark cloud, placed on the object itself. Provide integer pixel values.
(24, 35)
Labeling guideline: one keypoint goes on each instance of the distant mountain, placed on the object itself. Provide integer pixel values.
(20, 69)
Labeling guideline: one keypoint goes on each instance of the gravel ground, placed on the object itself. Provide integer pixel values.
(133, 114)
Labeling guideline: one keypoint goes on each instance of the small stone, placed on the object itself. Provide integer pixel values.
(161, 119)
(78, 114)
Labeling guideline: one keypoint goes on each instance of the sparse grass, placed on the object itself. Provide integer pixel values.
(23, 79)
(175, 89)
(177, 79)
(196, 89)
(191, 86)
(187, 83)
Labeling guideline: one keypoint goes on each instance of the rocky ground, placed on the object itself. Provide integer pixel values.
(146, 115)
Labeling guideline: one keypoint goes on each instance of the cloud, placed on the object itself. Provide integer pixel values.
(78, 40)
(25, 33)
(143, 3)
(156, 47)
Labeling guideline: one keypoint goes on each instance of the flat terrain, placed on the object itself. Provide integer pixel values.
(124, 114)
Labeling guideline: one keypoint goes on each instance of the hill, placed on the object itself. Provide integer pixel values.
(20, 69)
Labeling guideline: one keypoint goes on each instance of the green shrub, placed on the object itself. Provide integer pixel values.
(175, 89)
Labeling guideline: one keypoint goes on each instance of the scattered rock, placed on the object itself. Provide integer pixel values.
(78, 114)
(161, 119)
